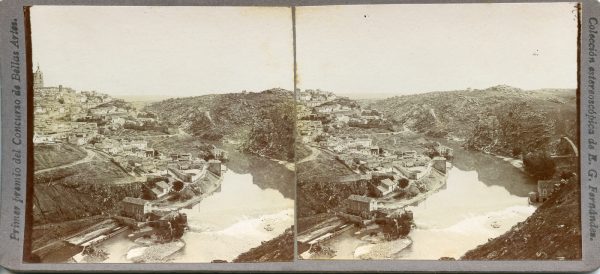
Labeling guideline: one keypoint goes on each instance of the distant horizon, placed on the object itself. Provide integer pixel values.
(362, 95)
(156, 50)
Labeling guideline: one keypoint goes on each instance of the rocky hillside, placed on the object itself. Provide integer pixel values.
(499, 119)
(262, 122)
(552, 232)
(320, 197)
(279, 249)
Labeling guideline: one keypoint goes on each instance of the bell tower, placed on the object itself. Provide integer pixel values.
(38, 78)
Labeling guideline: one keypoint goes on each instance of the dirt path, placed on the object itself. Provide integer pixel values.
(88, 158)
(313, 155)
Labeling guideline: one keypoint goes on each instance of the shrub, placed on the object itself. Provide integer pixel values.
(539, 165)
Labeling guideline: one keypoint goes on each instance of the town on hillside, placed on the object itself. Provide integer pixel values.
(376, 171)
(396, 177)
(106, 129)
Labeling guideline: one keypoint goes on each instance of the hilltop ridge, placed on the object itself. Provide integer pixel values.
(247, 118)
(500, 119)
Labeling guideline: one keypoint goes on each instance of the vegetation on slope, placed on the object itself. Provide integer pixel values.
(257, 120)
(273, 134)
(279, 249)
(499, 119)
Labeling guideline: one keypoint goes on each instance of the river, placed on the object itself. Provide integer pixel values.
(483, 198)
(249, 208)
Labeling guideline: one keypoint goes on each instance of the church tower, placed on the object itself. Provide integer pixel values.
(38, 78)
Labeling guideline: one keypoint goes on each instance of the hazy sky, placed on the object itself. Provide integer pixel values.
(387, 50)
(170, 51)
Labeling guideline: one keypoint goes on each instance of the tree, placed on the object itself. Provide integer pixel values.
(403, 183)
(539, 165)
(516, 151)
(177, 185)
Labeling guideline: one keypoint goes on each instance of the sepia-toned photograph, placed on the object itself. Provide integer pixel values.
(438, 132)
(162, 134)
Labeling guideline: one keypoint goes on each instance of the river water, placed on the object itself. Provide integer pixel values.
(244, 212)
(483, 198)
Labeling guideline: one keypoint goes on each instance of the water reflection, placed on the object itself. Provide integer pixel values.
(232, 221)
(464, 215)
(265, 173)
(492, 171)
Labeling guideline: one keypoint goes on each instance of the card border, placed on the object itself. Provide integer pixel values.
(12, 250)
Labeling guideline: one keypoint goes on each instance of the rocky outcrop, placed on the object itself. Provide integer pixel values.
(262, 122)
(499, 119)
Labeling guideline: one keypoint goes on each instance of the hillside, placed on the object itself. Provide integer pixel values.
(552, 232)
(499, 119)
(118, 103)
(262, 122)
(279, 249)
(80, 191)
(48, 156)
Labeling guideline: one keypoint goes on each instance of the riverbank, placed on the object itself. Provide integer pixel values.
(553, 232)
(436, 181)
(279, 249)
(483, 197)
(286, 164)
(517, 163)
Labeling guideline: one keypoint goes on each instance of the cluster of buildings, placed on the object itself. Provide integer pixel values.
(91, 120)
(319, 111)
(199, 177)
(313, 98)
(63, 115)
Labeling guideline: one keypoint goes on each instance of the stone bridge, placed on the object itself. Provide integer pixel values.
(567, 153)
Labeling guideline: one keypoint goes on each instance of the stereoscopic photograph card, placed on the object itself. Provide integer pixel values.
(299, 136)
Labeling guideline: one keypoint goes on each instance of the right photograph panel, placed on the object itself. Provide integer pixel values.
(438, 132)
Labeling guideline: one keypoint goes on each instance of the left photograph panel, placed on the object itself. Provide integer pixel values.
(161, 134)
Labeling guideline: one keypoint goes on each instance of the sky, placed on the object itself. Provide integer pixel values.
(355, 50)
(163, 51)
(386, 50)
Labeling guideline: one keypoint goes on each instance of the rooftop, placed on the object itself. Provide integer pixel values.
(137, 201)
(359, 198)
(387, 182)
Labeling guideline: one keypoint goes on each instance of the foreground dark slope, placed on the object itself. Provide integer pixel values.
(279, 249)
(552, 232)
(262, 122)
(499, 119)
